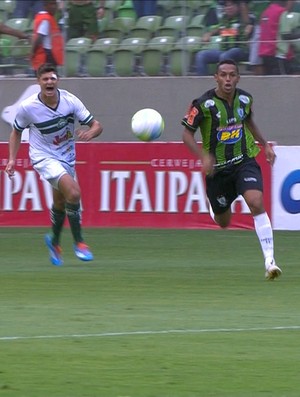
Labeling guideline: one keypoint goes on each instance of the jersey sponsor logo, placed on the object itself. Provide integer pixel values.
(245, 99)
(65, 137)
(209, 103)
(230, 134)
(250, 179)
(234, 160)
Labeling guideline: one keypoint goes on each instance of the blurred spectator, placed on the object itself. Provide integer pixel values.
(234, 34)
(144, 7)
(277, 56)
(47, 42)
(83, 18)
(27, 8)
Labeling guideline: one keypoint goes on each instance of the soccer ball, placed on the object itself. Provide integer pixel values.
(147, 124)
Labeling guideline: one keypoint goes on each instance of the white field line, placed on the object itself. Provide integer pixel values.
(162, 332)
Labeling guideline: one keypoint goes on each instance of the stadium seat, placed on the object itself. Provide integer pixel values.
(18, 23)
(7, 7)
(196, 27)
(21, 50)
(155, 56)
(99, 53)
(5, 47)
(107, 44)
(173, 26)
(182, 54)
(127, 56)
(96, 62)
(119, 27)
(146, 26)
(75, 51)
(289, 21)
(182, 7)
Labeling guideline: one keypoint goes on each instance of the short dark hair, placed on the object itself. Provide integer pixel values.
(227, 62)
(46, 68)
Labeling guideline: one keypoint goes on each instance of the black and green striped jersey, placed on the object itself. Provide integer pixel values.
(223, 128)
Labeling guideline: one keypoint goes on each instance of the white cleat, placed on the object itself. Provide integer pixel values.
(272, 271)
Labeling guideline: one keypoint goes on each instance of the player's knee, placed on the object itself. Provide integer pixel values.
(256, 206)
(73, 195)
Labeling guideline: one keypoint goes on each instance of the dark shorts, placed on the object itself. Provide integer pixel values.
(82, 21)
(226, 185)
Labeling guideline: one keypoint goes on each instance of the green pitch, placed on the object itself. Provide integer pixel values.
(159, 313)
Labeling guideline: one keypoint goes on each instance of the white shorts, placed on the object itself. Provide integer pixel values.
(52, 170)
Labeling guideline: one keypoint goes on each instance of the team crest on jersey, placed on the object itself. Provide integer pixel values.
(222, 201)
(245, 99)
(230, 134)
(62, 123)
(209, 103)
(241, 112)
(218, 115)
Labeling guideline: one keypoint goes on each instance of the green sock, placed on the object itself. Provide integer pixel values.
(74, 215)
(57, 220)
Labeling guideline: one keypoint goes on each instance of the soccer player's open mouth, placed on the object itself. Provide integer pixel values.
(50, 89)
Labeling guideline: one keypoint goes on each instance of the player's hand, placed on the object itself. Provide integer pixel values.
(208, 162)
(270, 154)
(83, 134)
(10, 169)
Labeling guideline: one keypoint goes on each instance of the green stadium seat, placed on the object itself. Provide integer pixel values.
(7, 8)
(75, 51)
(126, 57)
(155, 56)
(182, 55)
(99, 57)
(196, 26)
(146, 26)
(173, 26)
(119, 27)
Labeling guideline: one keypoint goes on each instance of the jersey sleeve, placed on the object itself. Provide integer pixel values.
(81, 112)
(193, 117)
(21, 120)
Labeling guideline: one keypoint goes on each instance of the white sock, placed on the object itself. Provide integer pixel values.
(211, 212)
(264, 233)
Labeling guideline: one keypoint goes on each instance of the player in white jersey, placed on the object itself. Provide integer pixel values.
(50, 116)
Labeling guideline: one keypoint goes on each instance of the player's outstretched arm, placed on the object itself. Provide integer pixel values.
(14, 144)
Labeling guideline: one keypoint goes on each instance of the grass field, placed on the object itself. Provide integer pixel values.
(159, 313)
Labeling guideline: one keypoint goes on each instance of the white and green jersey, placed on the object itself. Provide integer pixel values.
(51, 131)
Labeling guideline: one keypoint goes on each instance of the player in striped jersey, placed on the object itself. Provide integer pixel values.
(228, 153)
(50, 116)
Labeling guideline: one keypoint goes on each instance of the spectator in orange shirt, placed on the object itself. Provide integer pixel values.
(48, 43)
